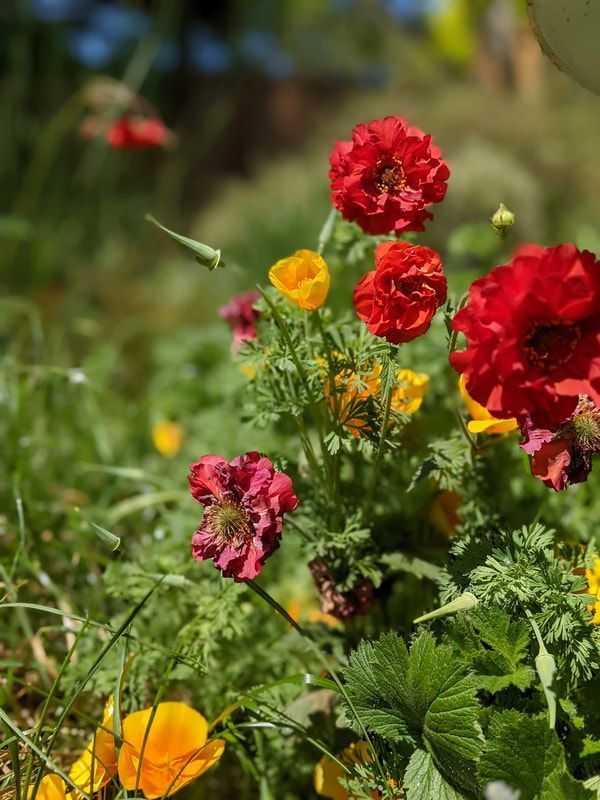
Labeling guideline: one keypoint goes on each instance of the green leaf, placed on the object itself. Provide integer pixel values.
(427, 697)
(526, 754)
(422, 781)
(509, 641)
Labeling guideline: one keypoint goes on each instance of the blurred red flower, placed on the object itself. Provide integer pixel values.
(241, 315)
(398, 299)
(386, 176)
(563, 456)
(244, 503)
(137, 133)
(533, 335)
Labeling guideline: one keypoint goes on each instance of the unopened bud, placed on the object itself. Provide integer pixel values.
(502, 221)
(205, 255)
(465, 602)
(546, 669)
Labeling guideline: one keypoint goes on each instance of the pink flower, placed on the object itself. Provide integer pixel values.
(244, 503)
(563, 455)
(241, 316)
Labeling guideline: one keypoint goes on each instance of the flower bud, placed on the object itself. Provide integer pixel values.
(546, 669)
(502, 221)
(465, 602)
(203, 253)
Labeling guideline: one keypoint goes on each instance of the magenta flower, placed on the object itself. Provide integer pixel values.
(241, 316)
(563, 455)
(244, 502)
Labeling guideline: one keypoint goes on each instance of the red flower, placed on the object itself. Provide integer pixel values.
(562, 456)
(241, 316)
(386, 176)
(137, 133)
(533, 335)
(341, 605)
(244, 503)
(399, 298)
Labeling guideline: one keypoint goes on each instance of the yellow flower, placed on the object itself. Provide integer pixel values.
(98, 762)
(52, 787)
(175, 752)
(302, 278)
(443, 512)
(593, 579)
(409, 391)
(327, 772)
(481, 419)
(167, 438)
(350, 395)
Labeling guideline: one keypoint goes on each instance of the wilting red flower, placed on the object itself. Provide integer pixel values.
(398, 299)
(241, 316)
(137, 133)
(533, 335)
(244, 503)
(562, 456)
(385, 177)
(341, 605)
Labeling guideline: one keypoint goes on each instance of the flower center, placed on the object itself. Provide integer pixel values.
(410, 284)
(585, 426)
(550, 344)
(390, 176)
(228, 521)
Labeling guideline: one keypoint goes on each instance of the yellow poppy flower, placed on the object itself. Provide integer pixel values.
(98, 762)
(176, 749)
(409, 391)
(51, 787)
(481, 419)
(302, 278)
(593, 580)
(168, 438)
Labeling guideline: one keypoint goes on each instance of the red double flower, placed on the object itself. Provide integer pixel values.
(386, 176)
(398, 299)
(533, 335)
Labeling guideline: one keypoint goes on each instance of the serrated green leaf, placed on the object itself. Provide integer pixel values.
(427, 697)
(423, 781)
(383, 716)
(526, 754)
(561, 786)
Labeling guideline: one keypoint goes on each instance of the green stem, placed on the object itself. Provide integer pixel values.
(380, 448)
(262, 593)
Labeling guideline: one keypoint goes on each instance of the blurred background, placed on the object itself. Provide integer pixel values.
(250, 96)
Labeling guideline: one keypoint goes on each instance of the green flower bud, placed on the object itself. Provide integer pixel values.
(502, 221)
(546, 669)
(205, 255)
(465, 602)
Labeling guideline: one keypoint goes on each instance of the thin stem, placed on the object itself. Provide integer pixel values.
(380, 448)
(317, 651)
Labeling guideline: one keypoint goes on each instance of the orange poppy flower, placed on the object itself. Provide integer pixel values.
(302, 278)
(161, 755)
(98, 762)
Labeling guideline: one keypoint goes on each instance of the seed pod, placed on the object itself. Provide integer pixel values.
(546, 669)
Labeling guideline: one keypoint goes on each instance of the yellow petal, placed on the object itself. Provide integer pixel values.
(51, 787)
